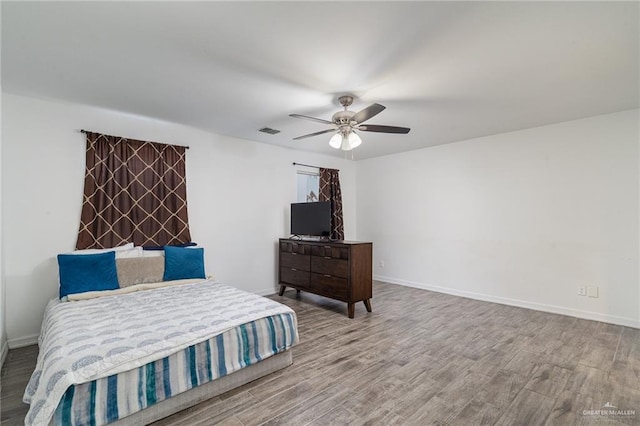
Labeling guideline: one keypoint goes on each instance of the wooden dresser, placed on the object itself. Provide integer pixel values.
(341, 270)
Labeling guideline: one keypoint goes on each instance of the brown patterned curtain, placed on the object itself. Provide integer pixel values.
(134, 191)
(330, 191)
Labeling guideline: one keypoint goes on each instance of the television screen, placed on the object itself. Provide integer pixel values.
(311, 218)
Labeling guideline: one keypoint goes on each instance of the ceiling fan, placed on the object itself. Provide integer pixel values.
(345, 123)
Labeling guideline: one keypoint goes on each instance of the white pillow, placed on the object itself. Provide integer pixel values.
(156, 253)
(152, 253)
(127, 246)
(125, 254)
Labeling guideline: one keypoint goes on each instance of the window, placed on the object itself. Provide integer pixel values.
(308, 186)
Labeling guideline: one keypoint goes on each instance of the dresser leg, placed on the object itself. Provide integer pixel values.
(367, 304)
(351, 309)
(282, 288)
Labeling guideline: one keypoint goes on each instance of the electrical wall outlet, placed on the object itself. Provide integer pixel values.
(381, 263)
(582, 291)
(592, 291)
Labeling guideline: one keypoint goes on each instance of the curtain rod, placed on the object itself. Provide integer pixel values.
(307, 165)
(185, 147)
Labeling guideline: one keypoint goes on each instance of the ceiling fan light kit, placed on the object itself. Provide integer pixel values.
(346, 122)
(353, 140)
(345, 141)
(336, 141)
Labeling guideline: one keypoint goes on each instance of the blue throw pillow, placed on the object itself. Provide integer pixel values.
(88, 272)
(183, 263)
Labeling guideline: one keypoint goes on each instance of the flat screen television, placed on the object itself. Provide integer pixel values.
(312, 219)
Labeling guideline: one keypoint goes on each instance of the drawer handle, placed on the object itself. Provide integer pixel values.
(294, 254)
(327, 257)
(293, 269)
(327, 247)
(328, 276)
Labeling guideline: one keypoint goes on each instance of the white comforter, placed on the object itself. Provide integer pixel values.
(90, 339)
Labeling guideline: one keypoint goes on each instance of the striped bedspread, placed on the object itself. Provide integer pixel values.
(138, 333)
(111, 398)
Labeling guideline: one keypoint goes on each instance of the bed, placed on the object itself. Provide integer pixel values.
(138, 354)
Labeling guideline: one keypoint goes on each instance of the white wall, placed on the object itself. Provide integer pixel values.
(522, 218)
(239, 193)
(3, 333)
(4, 349)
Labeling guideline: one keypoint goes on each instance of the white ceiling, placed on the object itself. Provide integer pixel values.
(449, 70)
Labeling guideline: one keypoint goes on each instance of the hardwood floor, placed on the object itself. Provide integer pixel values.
(16, 371)
(420, 358)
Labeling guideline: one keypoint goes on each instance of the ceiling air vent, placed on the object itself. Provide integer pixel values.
(269, 130)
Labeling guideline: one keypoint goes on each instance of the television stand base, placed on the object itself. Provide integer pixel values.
(309, 238)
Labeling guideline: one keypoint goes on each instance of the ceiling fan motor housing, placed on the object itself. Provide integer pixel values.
(342, 117)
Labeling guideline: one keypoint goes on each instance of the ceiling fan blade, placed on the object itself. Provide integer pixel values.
(306, 117)
(367, 113)
(384, 129)
(314, 134)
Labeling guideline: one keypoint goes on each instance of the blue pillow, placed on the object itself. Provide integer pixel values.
(183, 263)
(88, 272)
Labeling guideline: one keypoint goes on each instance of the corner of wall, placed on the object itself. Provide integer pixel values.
(4, 350)
(4, 346)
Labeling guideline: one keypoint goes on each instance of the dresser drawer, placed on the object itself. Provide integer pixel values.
(293, 247)
(330, 266)
(295, 261)
(294, 277)
(335, 252)
(327, 285)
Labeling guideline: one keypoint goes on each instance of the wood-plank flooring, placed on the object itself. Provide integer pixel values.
(420, 358)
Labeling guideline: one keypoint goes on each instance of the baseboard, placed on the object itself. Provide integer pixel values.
(3, 353)
(266, 292)
(595, 316)
(23, 341)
